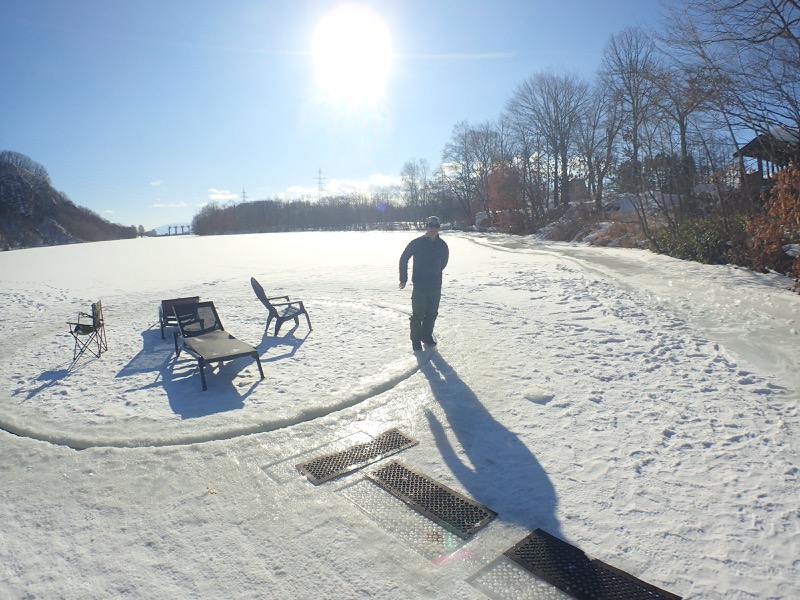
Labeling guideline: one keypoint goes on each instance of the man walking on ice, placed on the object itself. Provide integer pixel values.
(430, 254)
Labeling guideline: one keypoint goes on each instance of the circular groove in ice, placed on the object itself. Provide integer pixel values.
(113, 402)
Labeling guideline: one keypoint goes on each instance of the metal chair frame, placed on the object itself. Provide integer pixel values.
(89, 332)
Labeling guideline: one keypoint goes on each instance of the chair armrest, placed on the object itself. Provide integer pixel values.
(277, 298)
(288, 303)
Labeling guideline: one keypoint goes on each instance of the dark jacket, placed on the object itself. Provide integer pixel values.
(430, 259)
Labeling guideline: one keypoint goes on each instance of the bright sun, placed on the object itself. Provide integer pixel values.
(352, 52)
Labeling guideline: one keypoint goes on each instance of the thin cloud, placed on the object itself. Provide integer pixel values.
(341, 187)
(297, 191)
(380, 180)
(215, 194)
(157, 183)
(168, 205)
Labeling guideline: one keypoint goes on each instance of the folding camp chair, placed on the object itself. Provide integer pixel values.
(89, 332)
(201, 334)
(292, 311)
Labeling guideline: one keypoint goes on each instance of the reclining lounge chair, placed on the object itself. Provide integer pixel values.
(292, 311)
(201, 334)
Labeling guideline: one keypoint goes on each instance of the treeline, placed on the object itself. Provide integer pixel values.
(86, 225)
(33, 213)
(343, 213)
(661, 121)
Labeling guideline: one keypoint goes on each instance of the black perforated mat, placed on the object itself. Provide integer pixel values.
(331, 465)
(453, 511)
(571, 571)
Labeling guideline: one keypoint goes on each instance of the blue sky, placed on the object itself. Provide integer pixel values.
(144, 111)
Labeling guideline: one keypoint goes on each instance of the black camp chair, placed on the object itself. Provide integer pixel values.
(89, 332)
(292, 311)
(201, 334)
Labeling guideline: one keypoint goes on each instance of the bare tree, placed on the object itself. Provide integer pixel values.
(507, 188)
(629, 61)
(442, 198)
(683, 92)
(751, 49)
(596, 138)
(524, 150)
(485, 141)
(415, 187)
(552, 104)
(766, 36)
(458, 168)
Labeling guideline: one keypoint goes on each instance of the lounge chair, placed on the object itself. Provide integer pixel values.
(292, 311)
(89, 332)
(166, 314)
(201, 334)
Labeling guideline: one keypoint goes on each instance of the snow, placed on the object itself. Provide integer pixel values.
(784, 134)
(639, 407)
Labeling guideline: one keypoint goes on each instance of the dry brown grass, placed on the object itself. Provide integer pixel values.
(621, 230)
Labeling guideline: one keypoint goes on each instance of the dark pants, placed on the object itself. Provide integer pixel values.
(424, 310)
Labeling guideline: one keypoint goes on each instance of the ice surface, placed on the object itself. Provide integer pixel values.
(640, 407)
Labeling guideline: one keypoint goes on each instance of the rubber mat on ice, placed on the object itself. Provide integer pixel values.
(570, 570)
(332, 465)
(453, 511)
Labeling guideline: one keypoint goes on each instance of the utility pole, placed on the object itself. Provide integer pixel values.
(244, 195)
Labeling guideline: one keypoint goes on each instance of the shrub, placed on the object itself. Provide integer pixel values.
(778, 227)
(704, 240)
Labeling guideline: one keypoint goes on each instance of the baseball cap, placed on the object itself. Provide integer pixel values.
(433, 222)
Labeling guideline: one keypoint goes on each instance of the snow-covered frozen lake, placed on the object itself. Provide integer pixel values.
(639, 407)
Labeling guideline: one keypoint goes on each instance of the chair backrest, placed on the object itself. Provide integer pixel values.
(166, 305)
(97, 314)
(197, 319)
(263, 296)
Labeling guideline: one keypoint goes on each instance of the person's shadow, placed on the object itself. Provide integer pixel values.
(497, 469)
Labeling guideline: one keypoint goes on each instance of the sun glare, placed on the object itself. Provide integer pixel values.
(351, 47)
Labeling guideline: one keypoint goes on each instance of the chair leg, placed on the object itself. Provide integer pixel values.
(102, 346)
(89, 345)
(308, 320)
(80, 347)
(258, 362)
(200, 363)
(77, 349)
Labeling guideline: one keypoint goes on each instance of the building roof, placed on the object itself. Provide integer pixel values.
(779, 145)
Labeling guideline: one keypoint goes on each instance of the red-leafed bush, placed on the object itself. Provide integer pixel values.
(775, 235)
